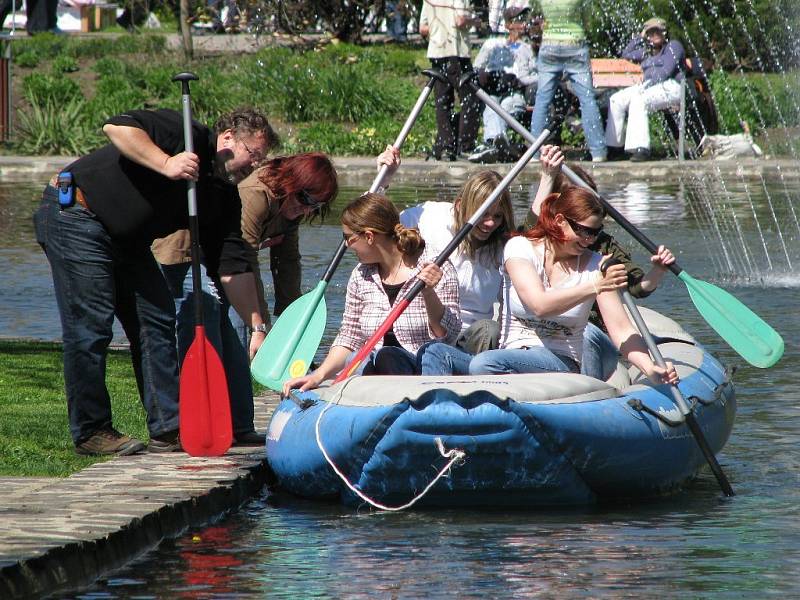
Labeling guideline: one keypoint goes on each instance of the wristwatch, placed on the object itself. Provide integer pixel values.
(261, 327)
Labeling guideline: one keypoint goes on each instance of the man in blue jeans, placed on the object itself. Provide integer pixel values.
(96, 222)
(564, 52)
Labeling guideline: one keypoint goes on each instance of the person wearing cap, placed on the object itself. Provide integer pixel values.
(275, 198)
(565, 53)
(506, 70)
(662, 66)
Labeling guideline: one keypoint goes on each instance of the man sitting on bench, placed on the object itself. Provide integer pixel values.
(662, 65)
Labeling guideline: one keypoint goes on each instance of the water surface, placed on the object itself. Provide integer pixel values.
(694, 544)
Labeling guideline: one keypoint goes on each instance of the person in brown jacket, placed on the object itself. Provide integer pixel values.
(275, 199)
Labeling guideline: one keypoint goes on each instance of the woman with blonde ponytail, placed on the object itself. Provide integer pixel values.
(391, 257)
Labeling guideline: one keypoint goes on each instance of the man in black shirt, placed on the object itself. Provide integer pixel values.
(96, 226)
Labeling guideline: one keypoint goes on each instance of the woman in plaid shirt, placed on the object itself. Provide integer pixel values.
(391, 257)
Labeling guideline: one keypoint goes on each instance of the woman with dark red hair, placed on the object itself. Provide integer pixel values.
(550, 281)
(276, 198)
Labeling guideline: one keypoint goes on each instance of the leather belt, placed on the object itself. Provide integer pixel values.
(79, 197)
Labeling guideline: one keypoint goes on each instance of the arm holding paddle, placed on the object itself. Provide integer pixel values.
(625, 337)
(135, 144)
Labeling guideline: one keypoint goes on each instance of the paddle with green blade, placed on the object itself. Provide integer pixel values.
(294, 339)
(743, 330)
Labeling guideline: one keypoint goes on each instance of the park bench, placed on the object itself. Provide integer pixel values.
(696, 114)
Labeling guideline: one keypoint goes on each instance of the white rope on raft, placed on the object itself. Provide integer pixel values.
(455, 455)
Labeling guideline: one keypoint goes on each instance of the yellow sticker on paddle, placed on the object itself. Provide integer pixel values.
(298, 368)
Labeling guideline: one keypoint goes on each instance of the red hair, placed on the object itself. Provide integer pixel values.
(574, 203)
(311, 172)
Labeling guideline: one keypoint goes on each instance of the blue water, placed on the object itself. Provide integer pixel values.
(696, 544)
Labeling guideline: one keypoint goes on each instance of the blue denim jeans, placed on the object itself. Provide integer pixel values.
(388, 360)
(572, 61)
(600, 355)
(96, 277)
(219, 332)
(438, 358)
(528, 360)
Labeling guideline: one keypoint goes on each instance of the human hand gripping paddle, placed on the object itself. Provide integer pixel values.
(743, 330)
(677, 396)
(402, 303)
(293, 341)
(204, 409)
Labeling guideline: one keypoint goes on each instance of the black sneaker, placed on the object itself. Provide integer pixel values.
(640, 155)
(615, 153)
(485, 153)
(166, 442)
(109, 442)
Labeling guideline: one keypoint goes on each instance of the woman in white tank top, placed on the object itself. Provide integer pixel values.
(551, 280)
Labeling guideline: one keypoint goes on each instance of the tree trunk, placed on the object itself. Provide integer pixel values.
(186, 31)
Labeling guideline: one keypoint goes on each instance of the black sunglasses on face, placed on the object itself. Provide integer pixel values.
(305, 199)
(583, 230)
(349, 237)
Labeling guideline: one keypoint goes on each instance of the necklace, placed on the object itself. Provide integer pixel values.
(390, 278)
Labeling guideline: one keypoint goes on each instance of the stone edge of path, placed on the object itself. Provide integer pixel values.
(356, 168)
(63, 534)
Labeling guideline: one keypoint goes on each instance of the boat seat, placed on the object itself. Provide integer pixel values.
(382, 390)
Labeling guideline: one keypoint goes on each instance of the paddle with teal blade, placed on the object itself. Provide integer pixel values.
(294, 339)
(296, 335)
(743, 330)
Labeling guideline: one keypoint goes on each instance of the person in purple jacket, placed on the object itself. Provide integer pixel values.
(662, 62)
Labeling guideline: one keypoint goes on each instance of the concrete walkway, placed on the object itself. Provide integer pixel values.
(59, 534)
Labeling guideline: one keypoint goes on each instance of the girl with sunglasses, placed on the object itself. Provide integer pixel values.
(550, 280)
(391, 258)
(600, 355)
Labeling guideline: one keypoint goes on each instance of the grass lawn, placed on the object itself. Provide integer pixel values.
(34, 434)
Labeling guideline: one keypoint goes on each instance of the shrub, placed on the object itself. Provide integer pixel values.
(40, 88)
(56, 128)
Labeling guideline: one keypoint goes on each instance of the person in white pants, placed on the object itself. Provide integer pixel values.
(662, 65)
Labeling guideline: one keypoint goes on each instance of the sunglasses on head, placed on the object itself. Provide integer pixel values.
(583, 230)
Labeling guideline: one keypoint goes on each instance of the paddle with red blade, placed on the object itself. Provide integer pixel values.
(462, 233)
(294, 339)
(743, 330)
(205, 409)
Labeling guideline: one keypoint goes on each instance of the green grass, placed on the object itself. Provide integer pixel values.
(34, 433)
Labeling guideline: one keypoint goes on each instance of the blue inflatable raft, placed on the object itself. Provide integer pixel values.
(509, 440)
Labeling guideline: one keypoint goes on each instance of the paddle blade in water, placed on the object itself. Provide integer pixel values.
(205, 409)
(292, 342)
(743, 330)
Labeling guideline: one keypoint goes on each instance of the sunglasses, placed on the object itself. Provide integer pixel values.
(349, 237)
(583, 230)
(306, 200)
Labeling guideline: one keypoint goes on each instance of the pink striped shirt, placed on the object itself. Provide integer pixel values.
(367, 306)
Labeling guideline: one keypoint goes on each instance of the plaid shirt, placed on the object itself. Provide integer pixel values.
(367, 306)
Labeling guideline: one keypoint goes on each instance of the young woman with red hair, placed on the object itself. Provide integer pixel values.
(550, 281)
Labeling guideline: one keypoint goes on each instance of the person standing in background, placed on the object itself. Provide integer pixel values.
(41, 16)
(565, 52)
(446, 24)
